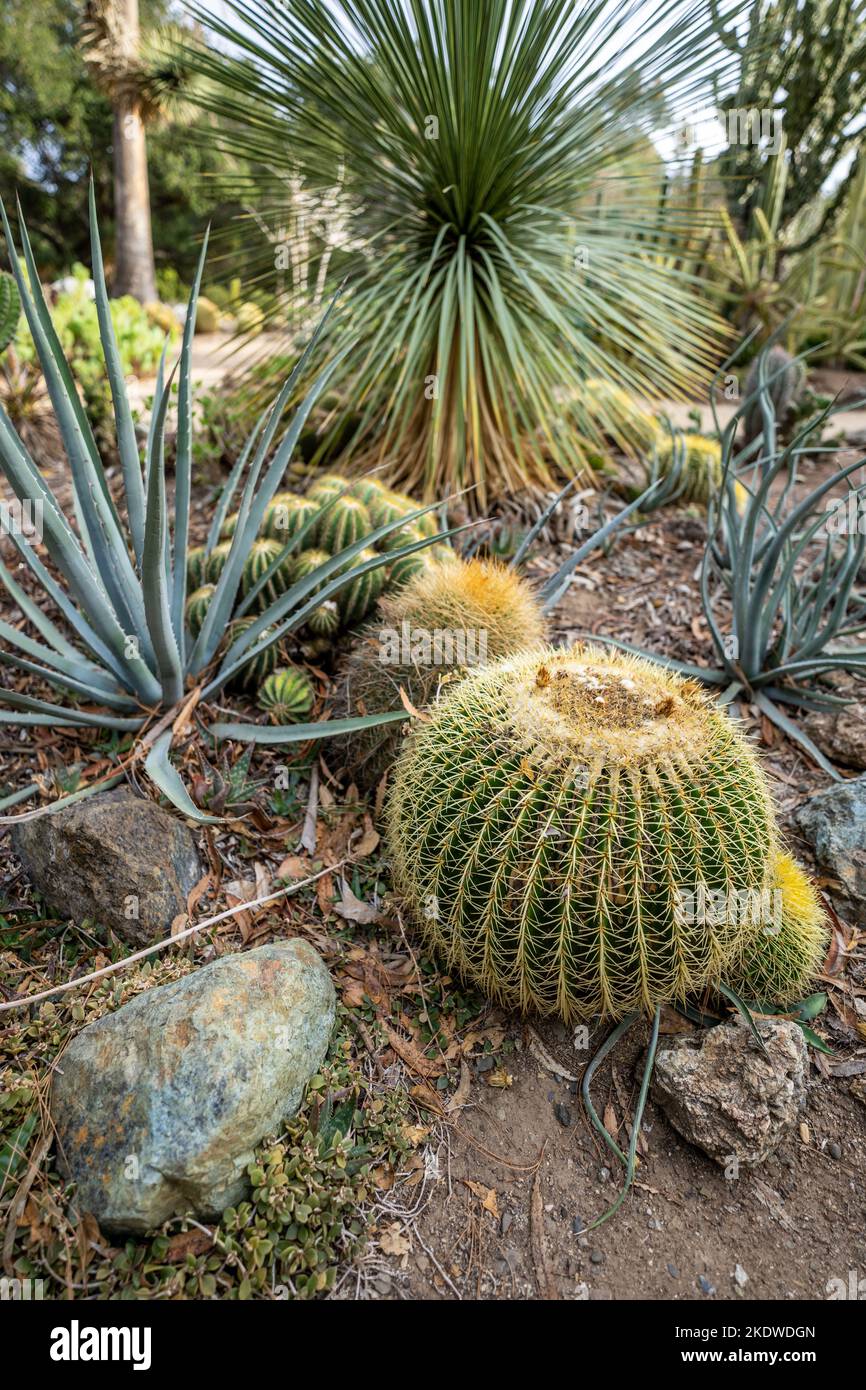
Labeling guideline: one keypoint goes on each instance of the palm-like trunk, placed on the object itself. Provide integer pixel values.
(134, 273)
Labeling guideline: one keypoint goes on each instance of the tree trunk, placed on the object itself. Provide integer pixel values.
(134, 272)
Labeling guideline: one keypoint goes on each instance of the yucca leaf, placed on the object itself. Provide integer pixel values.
(153, 571)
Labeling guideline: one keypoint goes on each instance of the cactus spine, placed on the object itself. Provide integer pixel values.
(560, 812)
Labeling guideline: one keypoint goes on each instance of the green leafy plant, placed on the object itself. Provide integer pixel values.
(786, 568)
(486, 280)
(121, 586)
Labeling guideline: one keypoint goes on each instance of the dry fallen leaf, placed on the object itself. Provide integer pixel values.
(486, 1195)
(461, 1095)
(394, 1241)
(353, 909)
(293, 866)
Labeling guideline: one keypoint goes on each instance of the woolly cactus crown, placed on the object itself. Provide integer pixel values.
(554, 821)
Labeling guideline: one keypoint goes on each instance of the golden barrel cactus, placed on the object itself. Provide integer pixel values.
(481, 611)
(556, 822)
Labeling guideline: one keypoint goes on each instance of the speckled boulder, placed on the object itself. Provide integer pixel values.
(834, 823)
(727, 1096)
(114, 858)
(158, 1107)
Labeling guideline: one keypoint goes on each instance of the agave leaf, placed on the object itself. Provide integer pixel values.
(555, 587)
(300, 733)
(63, 801)
(160, 770)
(127, 443)
(183, 465)
(746, 1012)
(63, 714)
(793, 731)
(153, 575)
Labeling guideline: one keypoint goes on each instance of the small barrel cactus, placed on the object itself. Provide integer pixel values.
(324, 621)
(560, 823)
(447, 618)
(701, 474)
(262, 555)
(345, 522)
(306, 562)
(227, 529)
(357, 598)
(262, 664)
(287, 695)
(326, 487)
(388, 506)
(10, 309)
(367, 490)
(197, 567)
(216, 561)
(286, 514)
(197, 606)
(780, 962)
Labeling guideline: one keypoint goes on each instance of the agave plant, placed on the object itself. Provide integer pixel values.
(787, 570)
(124, 652)
(490, 278)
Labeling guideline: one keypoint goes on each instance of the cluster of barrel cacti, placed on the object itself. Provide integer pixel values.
(354, 510)
(582, 833)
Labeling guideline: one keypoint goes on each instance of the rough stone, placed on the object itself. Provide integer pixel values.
(110, 857)
(840, 735)
(834, 823)
(158, 1107)
(725, 1096)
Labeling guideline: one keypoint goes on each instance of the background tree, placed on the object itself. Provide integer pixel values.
(805, 59)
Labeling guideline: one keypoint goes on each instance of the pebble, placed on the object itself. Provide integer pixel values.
(834, 1150)
(576, 1225)
(741, 1278)
(655, 1225)
(563, 1114)
(705, 1285)
(596, 1257)
(485, 1063)
(603, 1174)
(673, 1271)
(504, 1222)
(804, 1132)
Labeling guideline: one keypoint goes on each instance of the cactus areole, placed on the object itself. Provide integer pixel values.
(580, 833)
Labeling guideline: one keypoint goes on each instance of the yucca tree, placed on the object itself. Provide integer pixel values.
(111, 607)
(475, 139)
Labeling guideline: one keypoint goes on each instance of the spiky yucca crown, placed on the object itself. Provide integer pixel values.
(702, 464)
(555, 827)
(474, 598)
(779, 963)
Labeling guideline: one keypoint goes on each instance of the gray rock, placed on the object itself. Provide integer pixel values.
(158, 1106)
(840, 735)
(834, 823)
(114, 858)
(723, 1095)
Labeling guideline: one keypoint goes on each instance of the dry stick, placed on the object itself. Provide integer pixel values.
(168, 941)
